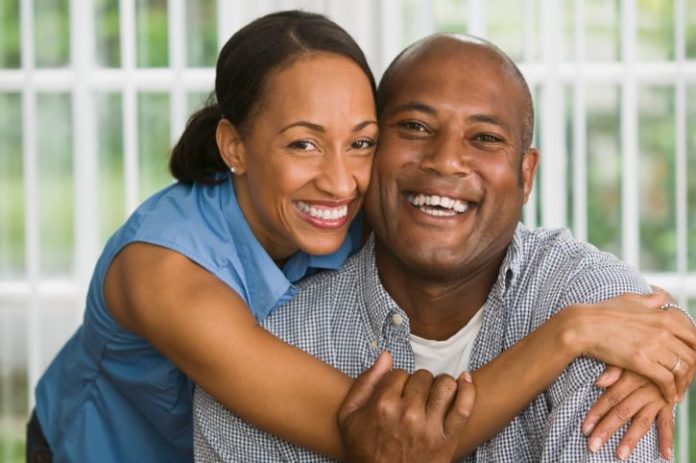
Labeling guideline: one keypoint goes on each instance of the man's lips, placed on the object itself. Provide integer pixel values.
(438, 205)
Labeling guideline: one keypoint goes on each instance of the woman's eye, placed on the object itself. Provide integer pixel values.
(363, 144)
(302, 145)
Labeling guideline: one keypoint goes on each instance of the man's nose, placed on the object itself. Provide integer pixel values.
(447, 155)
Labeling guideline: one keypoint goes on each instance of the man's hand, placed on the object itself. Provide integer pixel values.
(405, 418)
(630, 397)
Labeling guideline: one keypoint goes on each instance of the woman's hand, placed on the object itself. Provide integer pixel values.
(630, 397)
(631, 332)
(405, 418)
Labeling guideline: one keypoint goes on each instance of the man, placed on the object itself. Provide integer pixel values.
(448, 260)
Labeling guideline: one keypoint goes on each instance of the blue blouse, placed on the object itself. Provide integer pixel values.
(110, 396)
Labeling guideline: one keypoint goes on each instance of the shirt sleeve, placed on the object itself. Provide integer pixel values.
(573, 394)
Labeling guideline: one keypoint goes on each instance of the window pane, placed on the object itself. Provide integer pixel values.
(9, 34)
(657, 194)
(13, 380)
(153, 142)
(602, 30)
(691, 176)
(569, 139)
(52, 33)
(451, 16)
(655, 21)
(56, 192)
(506, 30)
(196, 100)
(604, 168)
(111, 194)
(151, 33)
(201, 33)
(11, 187)
(108, 36)
(691, 32)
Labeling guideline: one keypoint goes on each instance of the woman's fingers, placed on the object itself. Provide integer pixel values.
(665, 431)
(610, 399)
(639, 427)
(640, 407)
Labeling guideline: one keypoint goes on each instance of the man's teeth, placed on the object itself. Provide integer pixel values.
(324, 213)
(439, 205)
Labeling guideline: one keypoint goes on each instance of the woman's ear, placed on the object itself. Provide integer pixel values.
(231, 146)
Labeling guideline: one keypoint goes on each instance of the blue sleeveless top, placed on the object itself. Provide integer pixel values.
(109, 396)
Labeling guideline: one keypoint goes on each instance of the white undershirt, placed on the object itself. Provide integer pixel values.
(450, 356)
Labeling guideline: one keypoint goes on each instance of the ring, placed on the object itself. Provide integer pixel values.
(676, 365)
(670, 305)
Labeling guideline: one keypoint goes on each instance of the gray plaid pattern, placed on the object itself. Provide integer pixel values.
(346, 318)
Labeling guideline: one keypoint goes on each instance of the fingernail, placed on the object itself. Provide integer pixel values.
(669, 454)
(588, 427)
(601, 378)
(467, 376)
(622, 452)
(594, 444)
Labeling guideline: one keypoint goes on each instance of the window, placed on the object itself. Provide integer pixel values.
(93, 93)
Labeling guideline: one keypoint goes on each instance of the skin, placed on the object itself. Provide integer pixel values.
(460, 135)
(153, 291)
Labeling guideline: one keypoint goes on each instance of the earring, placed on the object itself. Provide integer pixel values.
(233, 170)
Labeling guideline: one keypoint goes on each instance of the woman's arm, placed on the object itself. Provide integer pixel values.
(207, 331)
(617, 331)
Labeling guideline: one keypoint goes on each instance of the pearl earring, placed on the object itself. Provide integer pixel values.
(233, 169)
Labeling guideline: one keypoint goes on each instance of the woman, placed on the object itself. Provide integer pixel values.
(295, 124)
(179, 288)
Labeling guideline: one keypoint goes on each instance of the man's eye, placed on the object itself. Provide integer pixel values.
(413, 126)
(302, 145)
(487, 138)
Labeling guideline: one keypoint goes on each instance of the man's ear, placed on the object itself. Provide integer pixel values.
(530, 162)
(231, 146)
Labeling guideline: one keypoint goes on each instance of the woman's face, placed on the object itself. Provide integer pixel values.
(304, 162)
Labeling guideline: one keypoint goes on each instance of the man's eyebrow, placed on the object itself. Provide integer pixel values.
(488, 119)
(415, 106)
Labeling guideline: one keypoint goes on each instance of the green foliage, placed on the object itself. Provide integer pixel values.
(10, 50)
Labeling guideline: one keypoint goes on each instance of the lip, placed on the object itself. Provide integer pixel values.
(326, 223)
(422, 216)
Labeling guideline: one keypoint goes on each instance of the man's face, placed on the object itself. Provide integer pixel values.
(449, 177)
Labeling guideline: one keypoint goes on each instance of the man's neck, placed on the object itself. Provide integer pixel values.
(437, 305)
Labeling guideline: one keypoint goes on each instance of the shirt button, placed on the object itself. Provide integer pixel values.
(373, 344)
(397, 319)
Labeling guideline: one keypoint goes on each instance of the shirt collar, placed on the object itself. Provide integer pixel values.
(378, 303)
(512, 262)
(268, 284)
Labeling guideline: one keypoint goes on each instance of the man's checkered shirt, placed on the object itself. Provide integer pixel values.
(347, 318)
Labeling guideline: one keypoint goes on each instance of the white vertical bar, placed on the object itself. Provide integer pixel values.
(229, 14)
(5, 372)
(176, 11)
(553, 173)
(629, 137)
(681, 188)
(477, 18)
(391, 32)
(530, 209)
(130, 107)
(425, 18)
(31, 195)
(580, 129)
(84, 134)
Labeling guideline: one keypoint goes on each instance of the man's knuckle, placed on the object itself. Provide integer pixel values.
(622, 412)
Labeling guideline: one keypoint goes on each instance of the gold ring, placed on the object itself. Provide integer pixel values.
(676, 365)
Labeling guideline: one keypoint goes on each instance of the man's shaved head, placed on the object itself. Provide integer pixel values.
(475, 49)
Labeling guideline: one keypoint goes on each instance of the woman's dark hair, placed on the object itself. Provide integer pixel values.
(244, 64)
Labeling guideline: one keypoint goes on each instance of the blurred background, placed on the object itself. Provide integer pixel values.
(93, 93)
